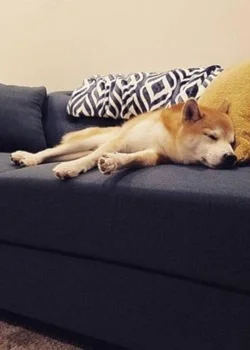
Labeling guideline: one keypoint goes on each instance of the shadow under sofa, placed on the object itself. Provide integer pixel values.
(155, 258)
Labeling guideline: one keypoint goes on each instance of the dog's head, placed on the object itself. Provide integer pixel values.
(206, 135)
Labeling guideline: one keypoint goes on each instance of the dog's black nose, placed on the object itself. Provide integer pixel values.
(228, 159)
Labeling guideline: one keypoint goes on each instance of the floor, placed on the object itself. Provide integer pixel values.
(14, 337)
(21, 333)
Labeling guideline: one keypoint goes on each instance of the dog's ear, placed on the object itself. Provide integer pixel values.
(225, 106)
(190, 111)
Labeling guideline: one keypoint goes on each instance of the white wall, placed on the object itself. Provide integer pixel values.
(59, 42)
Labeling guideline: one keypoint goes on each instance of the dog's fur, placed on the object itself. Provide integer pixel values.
(185, 134)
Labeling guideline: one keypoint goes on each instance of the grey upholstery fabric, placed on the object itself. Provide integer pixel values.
(21, 118)
(57, 122)
(5, 163)
(128, 307)
(188, 221)
(155, 258)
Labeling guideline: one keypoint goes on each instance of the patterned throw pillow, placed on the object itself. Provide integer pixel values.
(124, 96)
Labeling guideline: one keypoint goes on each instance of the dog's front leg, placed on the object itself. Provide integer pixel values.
(73, 168)
(110, 162)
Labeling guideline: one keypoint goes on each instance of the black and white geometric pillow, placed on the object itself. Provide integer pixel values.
(123, 96)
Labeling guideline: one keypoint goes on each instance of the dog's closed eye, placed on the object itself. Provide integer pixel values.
(211, 136)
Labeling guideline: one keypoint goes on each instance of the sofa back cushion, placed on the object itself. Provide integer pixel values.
(21, 118)
(57, 122)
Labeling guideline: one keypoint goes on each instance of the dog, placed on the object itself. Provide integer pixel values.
(186, 133)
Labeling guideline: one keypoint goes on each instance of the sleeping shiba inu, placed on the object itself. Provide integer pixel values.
(185, 134)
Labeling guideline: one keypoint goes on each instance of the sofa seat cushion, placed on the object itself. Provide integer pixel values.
(6, 164)
(187, 222)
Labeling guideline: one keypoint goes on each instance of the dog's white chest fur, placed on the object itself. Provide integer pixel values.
(148, 134)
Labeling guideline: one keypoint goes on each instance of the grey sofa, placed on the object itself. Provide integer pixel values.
(155, 258)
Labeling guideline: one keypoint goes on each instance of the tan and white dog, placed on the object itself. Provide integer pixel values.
(184, 134)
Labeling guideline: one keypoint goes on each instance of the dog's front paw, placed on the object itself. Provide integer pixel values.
(18, 156)
(31, 160)
(66, 171)
(107, 164)
(23, 158)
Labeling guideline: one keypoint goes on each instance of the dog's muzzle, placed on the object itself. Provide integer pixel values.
(228, 160)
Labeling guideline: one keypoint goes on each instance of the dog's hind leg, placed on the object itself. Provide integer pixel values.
(70, 156)
(29, 159)
(73, 145)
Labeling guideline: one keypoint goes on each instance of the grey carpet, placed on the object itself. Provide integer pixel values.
(13, 337)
